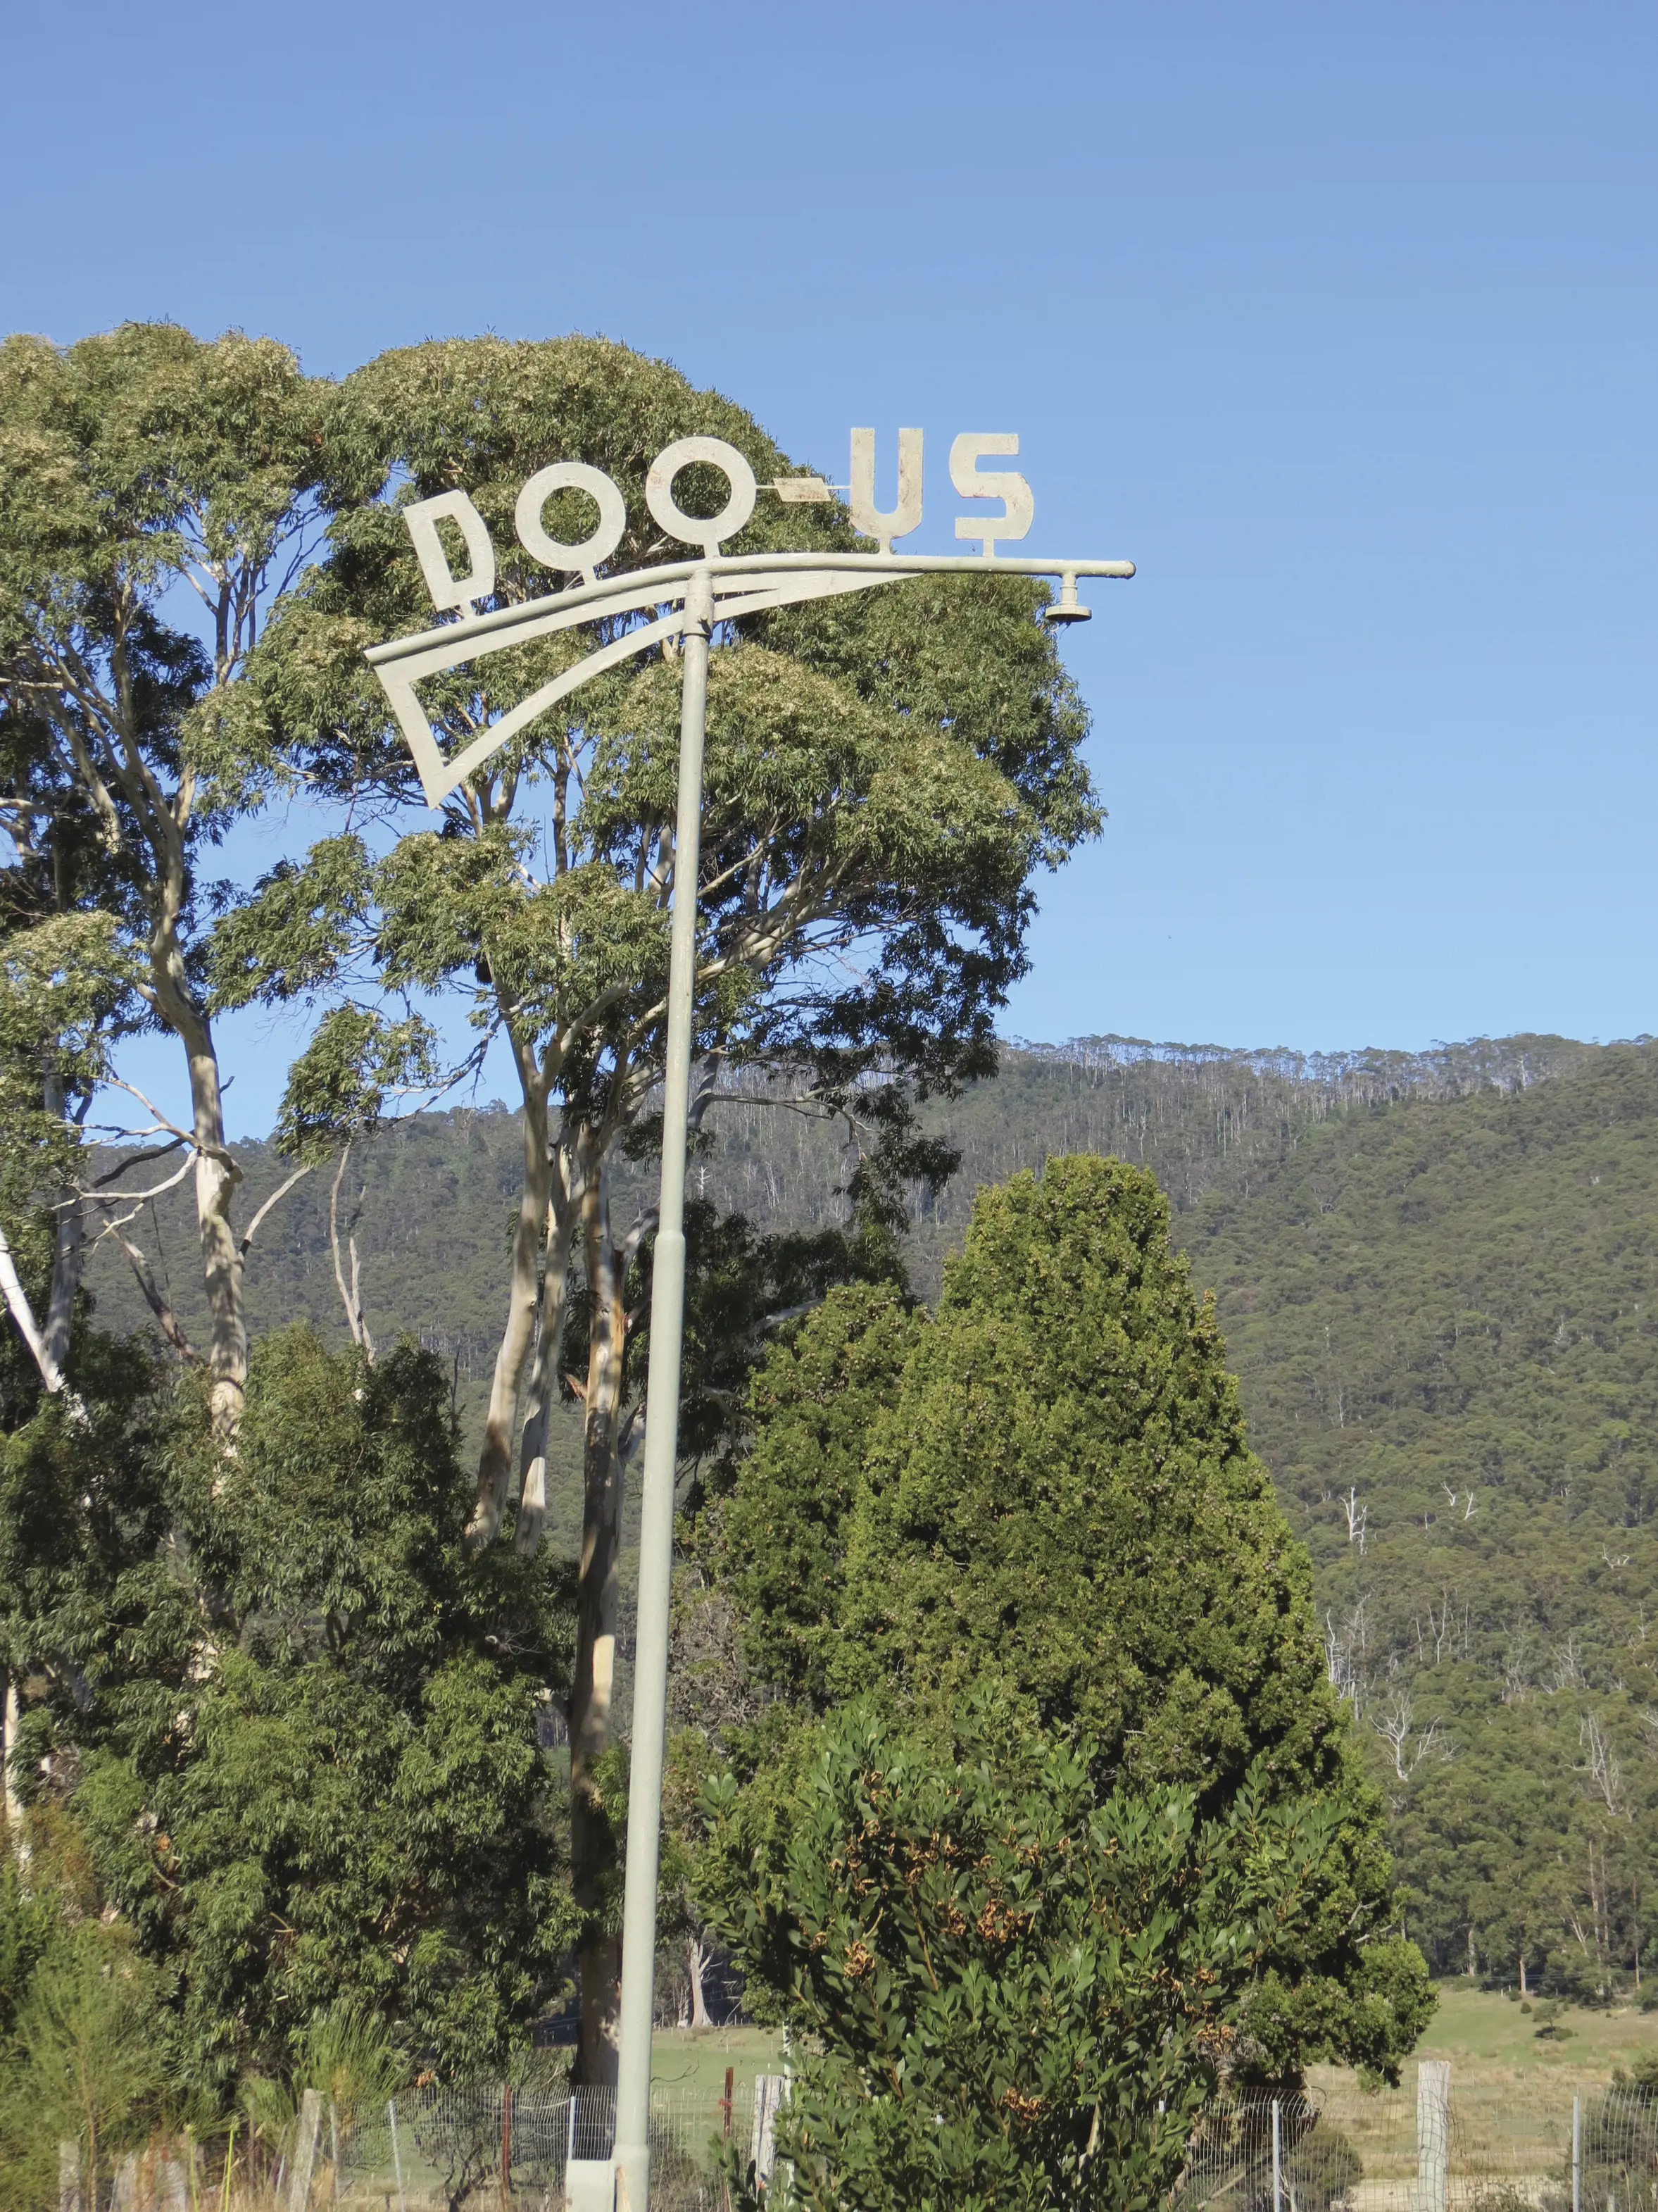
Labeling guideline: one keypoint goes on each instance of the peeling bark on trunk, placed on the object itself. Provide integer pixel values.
(593, 1845)
(501, 1424)
(543, 1391)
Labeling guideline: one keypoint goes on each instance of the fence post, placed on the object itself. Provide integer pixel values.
(506, 2144)
(1278, 2158)
(1433, 2133)
(68, 2174)
(397, 2155)
(334, 2144)
(305, 2151)
(725, 2105)
(1577, 2155)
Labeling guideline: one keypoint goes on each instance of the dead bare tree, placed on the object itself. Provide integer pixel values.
(1359, 1519)
(1394, 1721)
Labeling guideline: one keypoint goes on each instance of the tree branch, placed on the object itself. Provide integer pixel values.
(172, 1328)
(281, 1191)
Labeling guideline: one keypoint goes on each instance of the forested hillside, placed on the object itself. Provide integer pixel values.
(1437, 1276)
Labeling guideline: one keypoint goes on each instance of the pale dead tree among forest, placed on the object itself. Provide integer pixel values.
(1345, 1648)
(1601, 1765)
(1567, 1671)
(1393, 1720)
(1517, 1664)
(1444, 1628)
(1359, 1519)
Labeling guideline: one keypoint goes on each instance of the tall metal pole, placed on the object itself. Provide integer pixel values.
(632, 2102)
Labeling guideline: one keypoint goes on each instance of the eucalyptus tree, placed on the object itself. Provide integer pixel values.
(883, 778)
(156, 494)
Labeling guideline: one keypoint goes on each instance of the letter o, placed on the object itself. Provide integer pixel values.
(692, 529)
(574, 476)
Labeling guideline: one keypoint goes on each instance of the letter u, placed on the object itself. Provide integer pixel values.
(866, 517)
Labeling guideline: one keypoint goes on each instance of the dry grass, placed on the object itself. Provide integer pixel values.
(1511, 2094)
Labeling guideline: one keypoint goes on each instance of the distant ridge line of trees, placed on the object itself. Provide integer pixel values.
(1367, 1075)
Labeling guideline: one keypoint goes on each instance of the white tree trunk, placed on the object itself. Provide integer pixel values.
(591, 1842)
(542, 1395)
(501, 1423)
(697, 1961)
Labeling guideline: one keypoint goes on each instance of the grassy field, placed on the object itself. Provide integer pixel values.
(694, 2064)
(1511, 2090)
(1490, 2037)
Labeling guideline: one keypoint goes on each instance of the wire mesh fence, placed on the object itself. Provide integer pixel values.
(440, 2148)
(1423, 2147)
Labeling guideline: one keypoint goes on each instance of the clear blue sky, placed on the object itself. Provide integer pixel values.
(1339, 320)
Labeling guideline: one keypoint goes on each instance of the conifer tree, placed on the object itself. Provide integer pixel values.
(1047, 1490)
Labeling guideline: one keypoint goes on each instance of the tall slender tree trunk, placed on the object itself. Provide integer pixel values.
(592, 1840)
(68, 1252)
(217, 1177)
(13, 1802)
(696, 1962)
(542, 1393)
(518, 1339)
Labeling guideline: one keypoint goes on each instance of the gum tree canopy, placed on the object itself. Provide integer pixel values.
(1046, 1490)
(156, 494)
(885, 775)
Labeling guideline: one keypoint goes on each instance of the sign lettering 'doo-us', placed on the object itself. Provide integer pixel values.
(585, 558)
(647, 606)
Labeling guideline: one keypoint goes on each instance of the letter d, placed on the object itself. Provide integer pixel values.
(447, 589)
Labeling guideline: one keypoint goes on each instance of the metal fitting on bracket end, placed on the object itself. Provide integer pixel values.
(1064, 608)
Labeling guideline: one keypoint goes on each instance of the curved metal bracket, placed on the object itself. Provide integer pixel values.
(742, 584)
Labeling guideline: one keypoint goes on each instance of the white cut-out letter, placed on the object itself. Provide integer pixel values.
(692, 529)
(1019, 508)
(447, 589)
(576, 475)
(866, 517)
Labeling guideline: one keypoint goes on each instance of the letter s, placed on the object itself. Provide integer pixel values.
(1018, 507)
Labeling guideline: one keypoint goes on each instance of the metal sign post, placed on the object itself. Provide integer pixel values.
(681, 599)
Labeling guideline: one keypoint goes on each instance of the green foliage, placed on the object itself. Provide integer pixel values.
(1446, 1310)
(1016, 1991)
(814, 1404)
(1384, 1202)
(81, 1503)
(86, 2061)
(1046, 1490)
(315, 1777)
